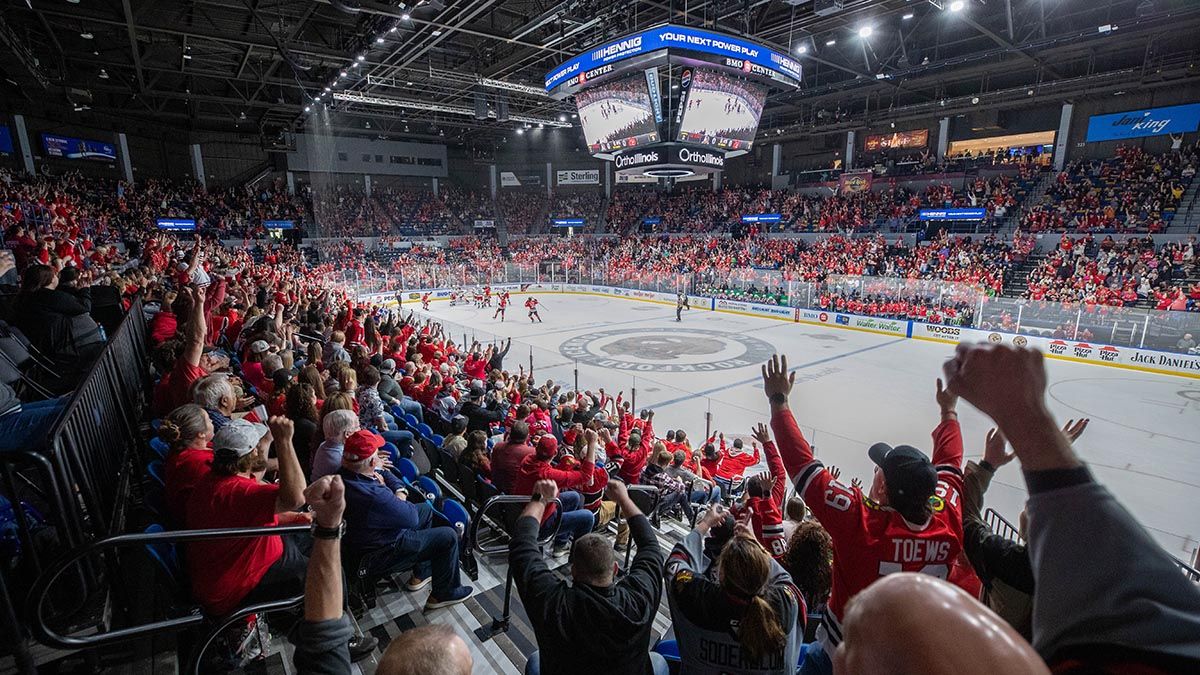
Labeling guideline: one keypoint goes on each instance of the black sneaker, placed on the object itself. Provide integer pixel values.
(363, 646)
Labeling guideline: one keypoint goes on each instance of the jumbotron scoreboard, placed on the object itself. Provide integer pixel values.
(672, 101)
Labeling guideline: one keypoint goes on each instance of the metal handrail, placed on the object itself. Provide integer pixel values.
(41, 586)
(1000, 525)
(509, 499)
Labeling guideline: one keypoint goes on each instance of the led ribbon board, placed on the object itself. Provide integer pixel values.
(752, 56)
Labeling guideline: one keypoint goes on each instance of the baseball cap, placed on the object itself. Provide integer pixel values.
(362, 444)
(547, 447)
(910, 475)
(259, 346)
(477, 391)
(239, 436)
(388, 366)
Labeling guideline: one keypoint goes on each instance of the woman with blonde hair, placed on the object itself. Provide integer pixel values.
(188, 432)
(749, 621)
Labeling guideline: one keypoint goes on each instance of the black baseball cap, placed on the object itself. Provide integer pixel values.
(910, 475)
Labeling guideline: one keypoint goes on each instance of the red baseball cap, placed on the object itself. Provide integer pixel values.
(547, 447)
(362, 444)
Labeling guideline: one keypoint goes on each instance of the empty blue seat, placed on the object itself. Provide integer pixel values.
(159, 446)
(456, 513)
(428, 486)
(411, 420)
(668, 649)
(425, 430)
(437, 440)
(408, 469)
(155, 470)
(164, 554)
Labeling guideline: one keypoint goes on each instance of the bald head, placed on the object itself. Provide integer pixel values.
(429, 650)
(920, 616)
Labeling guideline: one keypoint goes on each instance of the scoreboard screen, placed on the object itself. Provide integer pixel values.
(617, 114)
(721, 110)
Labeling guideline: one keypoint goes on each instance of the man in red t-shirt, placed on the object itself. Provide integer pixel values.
(910, 522)
(227, 573)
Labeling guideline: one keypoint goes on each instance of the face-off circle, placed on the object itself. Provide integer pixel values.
(675, 350)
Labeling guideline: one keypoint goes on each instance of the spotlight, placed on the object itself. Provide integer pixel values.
(308, 108)
(103, 74)
(802, 49)
(865, 32)
(326, 90)
(957, 6)
(974, 99)
(86, 35)
(187, 57)
(342, 74)
(242, 115)
(367, 125)
(908, 16)
(406, 17)
(562, 118)
(830, 43)
(541, 126)
(393, 29)
(360, 58)
(379, 40)
(520, 131)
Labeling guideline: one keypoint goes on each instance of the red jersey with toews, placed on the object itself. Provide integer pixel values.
(870, 540)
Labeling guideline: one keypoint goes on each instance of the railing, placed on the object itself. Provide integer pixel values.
(1000, 525)
(41, 625)
(80, 470)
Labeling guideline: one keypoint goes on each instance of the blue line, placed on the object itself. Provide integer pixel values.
(758, 378)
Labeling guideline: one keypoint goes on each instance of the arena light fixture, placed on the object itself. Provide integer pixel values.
(906, 17)
(86, 35)
(308, 108)
(957, 6)
(342, 74)
(830, 42)
(802, 49)
(520, 130)
(406, 17)
(379, 40)
(865, 32)
(360, 58)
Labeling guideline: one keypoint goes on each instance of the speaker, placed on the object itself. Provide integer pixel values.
(502, 109)
(481, 105)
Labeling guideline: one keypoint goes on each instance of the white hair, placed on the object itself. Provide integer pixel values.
(271, 363)
(338, 423)
(208, 391)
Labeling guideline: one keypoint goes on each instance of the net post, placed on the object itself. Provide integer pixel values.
(633, 399)
(530, 360)
(577, 377)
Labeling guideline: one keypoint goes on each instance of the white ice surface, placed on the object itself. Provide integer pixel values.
(856, 388)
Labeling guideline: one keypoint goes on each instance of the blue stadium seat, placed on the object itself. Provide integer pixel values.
(411, 420)
(428, 486)
(160, 447)
(155, 470)
(164, 554)
(425, 430)
(668, 649)
(408, 469)
(456, 513)
(437, 440)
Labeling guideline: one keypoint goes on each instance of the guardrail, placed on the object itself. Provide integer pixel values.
(40, 624)
(80, 469)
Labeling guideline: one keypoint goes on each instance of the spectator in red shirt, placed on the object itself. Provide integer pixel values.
(194, 362)
(226, 573)
(188, 432)
(576, 520)
(508, 456)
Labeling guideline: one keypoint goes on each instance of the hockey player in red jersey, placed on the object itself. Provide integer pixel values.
(501, 305)
(764, 498)
(532, 305)
(911, 521)
(425, 302)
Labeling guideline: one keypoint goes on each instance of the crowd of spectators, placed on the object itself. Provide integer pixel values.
(1135, 191)
(525, 210)
(277, 389)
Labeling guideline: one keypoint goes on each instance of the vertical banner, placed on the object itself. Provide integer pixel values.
(655, 93)
(685, 86)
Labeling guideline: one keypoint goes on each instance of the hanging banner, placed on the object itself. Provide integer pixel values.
(177, 224)
(655, 93)
(952, 214)
(509, 179)
(849, 183)
(279, 224)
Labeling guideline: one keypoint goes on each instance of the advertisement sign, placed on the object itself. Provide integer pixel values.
(579, 177)
(1175, 119)
(672, 37)
(849, 183)
(66, 147)
(635, 178)
(509, 179)
(568, 222)
(655, 93)
(762, 218)
(485, 224)
(731, 305)
(952, 214)
(900, 140)
(279, 224)
(6, 144)
(652, 220)
(669, 154)
(177, 224)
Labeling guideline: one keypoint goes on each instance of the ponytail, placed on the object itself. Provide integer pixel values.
(744, 568)
(760, 632)
(182, 425)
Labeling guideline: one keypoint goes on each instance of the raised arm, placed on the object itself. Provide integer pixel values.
(533, 578)
(794, 450)
(197, 328)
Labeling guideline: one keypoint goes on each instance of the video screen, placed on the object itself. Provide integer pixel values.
(617, 115)
(721, 111)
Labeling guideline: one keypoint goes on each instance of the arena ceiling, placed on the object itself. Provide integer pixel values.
(256, 64)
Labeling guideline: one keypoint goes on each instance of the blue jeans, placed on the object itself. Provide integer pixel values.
(412, 407)
(403, 440)
(705, 496)
(669, 500)
(22, 429)
(576, 520)
(534, 666)
(816, 661)
(428, 550)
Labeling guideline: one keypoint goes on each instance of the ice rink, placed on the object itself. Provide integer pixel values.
(853, 389)
(624, 119)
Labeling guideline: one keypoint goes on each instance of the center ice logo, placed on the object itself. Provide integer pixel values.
(679, 351)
